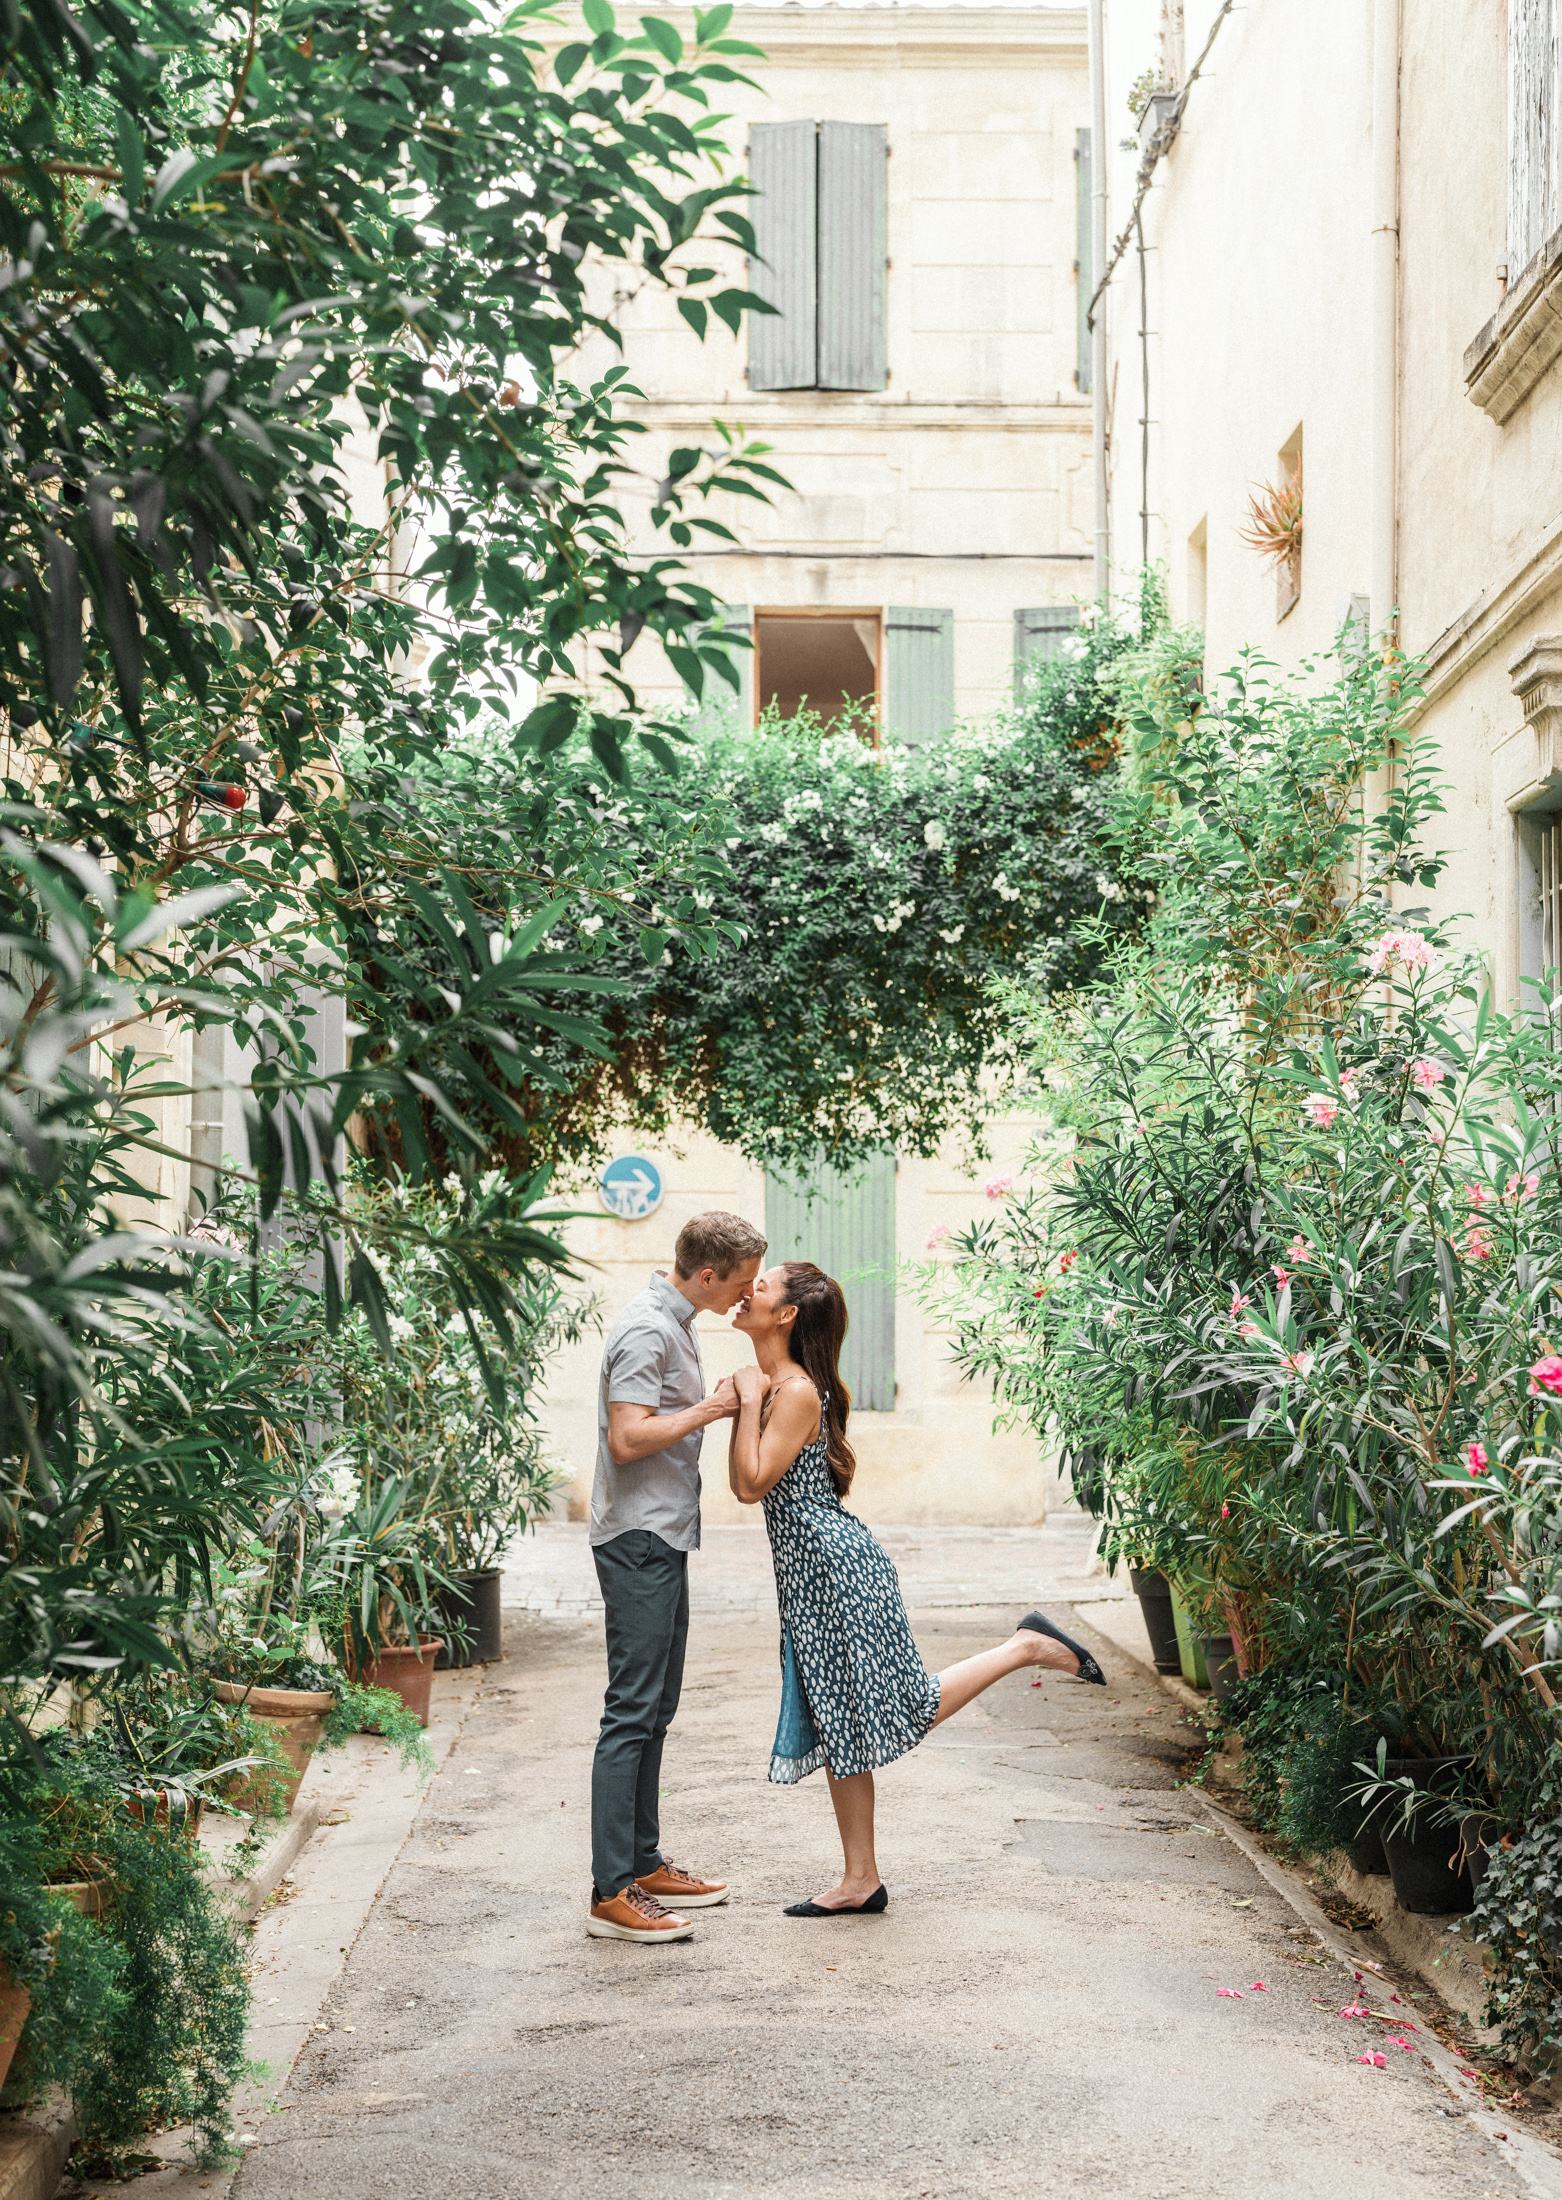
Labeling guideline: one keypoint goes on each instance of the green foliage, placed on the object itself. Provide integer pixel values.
(1518, 1913)
(1297, 1271)
(1303, 1733)
(167, 2006)
(822, 981)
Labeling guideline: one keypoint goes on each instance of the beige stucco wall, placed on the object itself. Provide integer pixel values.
(935, 1459)
(964, 485)
(1259, 228)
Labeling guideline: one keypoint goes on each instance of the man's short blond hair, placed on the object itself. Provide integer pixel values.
(717, 1240)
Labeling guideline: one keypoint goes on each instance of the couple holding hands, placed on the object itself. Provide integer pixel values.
(854, 1691)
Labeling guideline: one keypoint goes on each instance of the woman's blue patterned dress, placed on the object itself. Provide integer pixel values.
(854, 1693)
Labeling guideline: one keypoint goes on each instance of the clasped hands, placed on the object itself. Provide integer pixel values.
(733, 1392)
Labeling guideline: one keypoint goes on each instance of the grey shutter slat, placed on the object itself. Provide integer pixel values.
(718, 705)
(1084, 260)
(1040, 632)
(1534, 92)
(845, 1223)
(920, 668)
(783, 168)
(853, 248)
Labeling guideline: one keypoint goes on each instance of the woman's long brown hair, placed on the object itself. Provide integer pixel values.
(815, 1344)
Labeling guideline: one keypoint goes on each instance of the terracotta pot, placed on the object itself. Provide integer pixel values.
(136, 1806)
(407, 1672)
(15, 2001)
(89, 1896)
(296, 1716)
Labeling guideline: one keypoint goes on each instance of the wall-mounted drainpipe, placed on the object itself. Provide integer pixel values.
(1103, 542)
(1384, 574)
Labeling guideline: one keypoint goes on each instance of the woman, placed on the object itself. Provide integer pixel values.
(854, 1692)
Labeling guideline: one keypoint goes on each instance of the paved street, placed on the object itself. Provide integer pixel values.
(1037, 2013)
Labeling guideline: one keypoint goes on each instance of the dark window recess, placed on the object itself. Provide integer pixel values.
(828, 664)
(820, 223)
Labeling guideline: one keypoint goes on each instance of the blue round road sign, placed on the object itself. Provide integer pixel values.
(631, 1187)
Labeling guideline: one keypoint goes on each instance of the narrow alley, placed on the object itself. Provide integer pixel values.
(1040, 2010)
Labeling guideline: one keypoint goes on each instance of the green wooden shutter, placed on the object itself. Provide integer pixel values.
(1041, 633)
(718, 705)
(920, 674)
(1084, 259)
(853, 252)
(783, 164)
(845, 1224)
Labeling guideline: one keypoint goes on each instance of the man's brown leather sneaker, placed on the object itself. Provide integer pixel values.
(671, 1883)
(635, 1915)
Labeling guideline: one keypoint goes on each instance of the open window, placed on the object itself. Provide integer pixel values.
(826, 661)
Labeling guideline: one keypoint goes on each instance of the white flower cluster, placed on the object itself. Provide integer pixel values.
(1002, 887)
(898, 912)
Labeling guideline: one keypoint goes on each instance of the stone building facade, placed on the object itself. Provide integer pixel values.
(1352, 247)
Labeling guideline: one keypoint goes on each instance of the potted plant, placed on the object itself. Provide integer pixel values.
(375, 1569)
(1417, 1808)
(1154, 1592)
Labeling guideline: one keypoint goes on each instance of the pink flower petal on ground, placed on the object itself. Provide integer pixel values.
(1229, 1992)
(1405, 2044)
(1258, 1987)
(1377, 2062)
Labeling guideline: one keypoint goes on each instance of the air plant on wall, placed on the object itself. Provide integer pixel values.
(1274, 519)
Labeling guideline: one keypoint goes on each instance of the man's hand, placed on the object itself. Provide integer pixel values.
(725, 1398)
(750, 1383)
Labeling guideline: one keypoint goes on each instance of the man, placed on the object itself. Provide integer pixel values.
(652, 1414)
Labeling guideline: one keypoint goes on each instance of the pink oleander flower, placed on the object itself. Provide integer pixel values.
(1479, 1195)
(1258, 1987)
(1247, 1329)
(1546, 1374)
(1477, 1244)
(1281, 1275)
(1298, 1250)
(1238, 1302)
(1065, 1262)
(1524, 1187)
(1320, 1110)
(1040, 1291)
(1349, 1079)
(1475, 1458)
(1394, 2041)
(1408, 949)
(1297, 1363)
(1427, 1076)
(937, 1235)
(998, 1187)
(1225, 1512)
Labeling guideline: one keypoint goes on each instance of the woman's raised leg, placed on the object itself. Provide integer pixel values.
(959, 1684)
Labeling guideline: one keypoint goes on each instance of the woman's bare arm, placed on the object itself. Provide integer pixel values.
(759, 1457)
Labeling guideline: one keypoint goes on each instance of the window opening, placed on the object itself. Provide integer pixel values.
(826, 662)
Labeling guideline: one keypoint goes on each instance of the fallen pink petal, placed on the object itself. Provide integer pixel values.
(1230, 1993)
(1394, 2041)
(1258, 1987)
(1377, 2062)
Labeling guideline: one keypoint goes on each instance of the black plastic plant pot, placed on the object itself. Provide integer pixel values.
(1220, 1655)
(1155, 1602)
(471, 1610)
(1367, 1854)
(1425, 1859)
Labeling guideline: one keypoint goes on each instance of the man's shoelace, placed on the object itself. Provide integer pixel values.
(647, 1904)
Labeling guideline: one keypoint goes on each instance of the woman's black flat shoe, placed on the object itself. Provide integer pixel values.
(1088, 1668)
(877, 1901)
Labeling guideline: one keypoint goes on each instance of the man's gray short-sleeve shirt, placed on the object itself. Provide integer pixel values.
(651, 1358)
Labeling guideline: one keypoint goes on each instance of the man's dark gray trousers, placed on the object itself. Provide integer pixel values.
(645, 1588)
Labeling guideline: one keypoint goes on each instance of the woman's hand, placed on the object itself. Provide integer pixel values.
(752, 1383)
